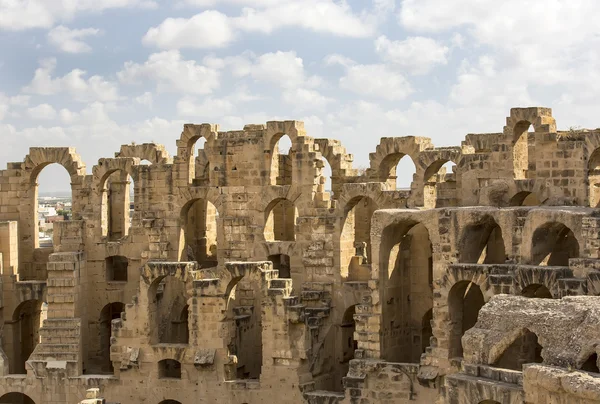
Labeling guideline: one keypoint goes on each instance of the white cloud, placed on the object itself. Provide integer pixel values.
(304, 99)
(145, 99)
(336, 59)
(73, 83)
(212, 29)
(418, 55)
(172, 74)
(209, 29)
(26, 14)
(283, 68)
(377, 81)
(19, 100)
(70, 40)
(210, 108)
(42, 112)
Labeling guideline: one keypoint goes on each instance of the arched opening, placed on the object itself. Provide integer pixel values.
(281, 262)
(168, 311)
(355, 239)
(193, 144)
(465, 299)
(439, 184)
(524, 349)
(117, 200)
(201, 175)
(169, 402)
(346, 345)
(536, 290)
(198, 241)
(525, 198)
(594, 179)
(280, 221)
(169, 369)
(116, 268)
(553, 244)
(489, 402)
(244, 313)
(397, 170)
(52, 193)
(426, 330)
(406, 263)
(16, 398)
(102, 364)
(591, 364)
(482, 243)
(326, 177)
(522, 132)
(281, 160)
(22, 334)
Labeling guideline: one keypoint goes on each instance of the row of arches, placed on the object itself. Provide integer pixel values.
(20, 398)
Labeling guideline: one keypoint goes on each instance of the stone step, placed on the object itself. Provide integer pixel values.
(55, 356)
(324, 397)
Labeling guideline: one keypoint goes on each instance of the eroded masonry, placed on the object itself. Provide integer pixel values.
(238, 277)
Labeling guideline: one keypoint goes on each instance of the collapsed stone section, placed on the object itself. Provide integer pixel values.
(232, 272)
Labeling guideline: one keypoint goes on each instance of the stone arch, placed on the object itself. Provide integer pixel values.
(482, 242)
(465, 299)
(536, 290)
(339, 161)
(593, 173)
(23, 334)
(16, 398)
(185, 159)
(389, 152)
(355, 237)
(519, 347)
(101, 363)
(552, 244)
(275, 130)
(245, 321)
(280, 220)
(167, 296)
(152, 152)
(430, 163)
(169, 402)
(112, 183)
(525, 198)
(37, 159)
(200, 227)
(587, 360)
(517, 124)
(406, 267)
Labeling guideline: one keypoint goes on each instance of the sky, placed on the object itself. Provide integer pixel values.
(95, 74)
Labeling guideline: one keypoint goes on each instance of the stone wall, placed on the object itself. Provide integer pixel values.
(239, 278)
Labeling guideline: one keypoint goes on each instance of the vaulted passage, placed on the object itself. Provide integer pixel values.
(25, 326)
(281, 160)
(169, 311)
(16, 398)
(117, 194)
(407, 267)
(280, 221)
(553, 244)
(355, 239)
(524, 349)
(591, 364)
(536, 290)
(99, 362)
(281, 262)
(198, 239)
(482, 243)
(244, 316)
(464, 302)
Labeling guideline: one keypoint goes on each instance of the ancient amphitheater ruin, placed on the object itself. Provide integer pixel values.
(242, 280)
